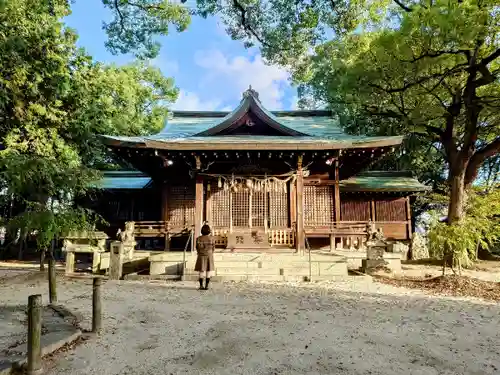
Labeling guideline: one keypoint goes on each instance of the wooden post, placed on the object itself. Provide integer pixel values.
(198, 206)
(164, 202)
(230, 211)
(408, 217)
(300, 205)
(372, 205)
(209, 203)
(52, 281)
(332, 242)
(34, 334)
(337, 191)
(96, 305)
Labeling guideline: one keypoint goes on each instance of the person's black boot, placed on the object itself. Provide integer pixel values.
(201, 283)
(207, 281)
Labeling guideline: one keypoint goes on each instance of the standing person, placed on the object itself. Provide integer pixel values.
(205, 247)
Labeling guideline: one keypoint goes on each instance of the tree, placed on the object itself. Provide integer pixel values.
(433, 66)
(54, 101)
(478, 231)
(440, 81)
(136, 23)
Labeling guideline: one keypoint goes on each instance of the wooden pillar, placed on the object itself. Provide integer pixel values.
(164, 202)
(408, 218)
(164, 214)
(96, 305)
(372, 213)
(209, 204)
(198, 206)
(300, 206)
(337, 191)
(34, 335)
(293, 203)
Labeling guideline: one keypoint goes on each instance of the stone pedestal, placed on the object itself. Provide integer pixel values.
(374, 256)
(70, 262)
(116, 260)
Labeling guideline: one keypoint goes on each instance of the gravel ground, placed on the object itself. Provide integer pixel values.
(343, 328)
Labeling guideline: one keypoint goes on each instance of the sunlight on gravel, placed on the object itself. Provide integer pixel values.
(326, 328)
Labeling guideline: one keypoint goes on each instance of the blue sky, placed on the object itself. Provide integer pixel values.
(209, 68)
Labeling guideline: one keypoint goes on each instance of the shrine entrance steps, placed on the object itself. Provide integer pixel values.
(254, 266)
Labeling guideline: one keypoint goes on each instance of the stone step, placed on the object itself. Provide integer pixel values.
(290, 278)
(298, 270)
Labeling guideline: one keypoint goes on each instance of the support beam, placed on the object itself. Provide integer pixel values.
(337, 192)
(198, 206)
(164, 213)
(300, 206)
(209, 204)
(164, 202)
(408, 218)
(372, 210)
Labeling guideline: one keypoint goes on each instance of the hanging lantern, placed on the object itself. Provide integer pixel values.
(249, 184)
(219, 183)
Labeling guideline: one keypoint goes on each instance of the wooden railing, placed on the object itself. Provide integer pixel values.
(344, 234)
(150, 229)
(220, 236)
(281, 237)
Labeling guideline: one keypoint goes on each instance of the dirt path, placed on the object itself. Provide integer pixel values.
(343, 328)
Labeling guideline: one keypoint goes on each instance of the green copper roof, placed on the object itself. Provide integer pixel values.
(367, 181)
(308, 130)
(383, 181)
(123, 180)
(182, 125)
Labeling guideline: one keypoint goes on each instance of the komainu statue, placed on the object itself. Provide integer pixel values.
(128, 239)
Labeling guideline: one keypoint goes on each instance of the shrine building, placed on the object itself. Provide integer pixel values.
(278, 181)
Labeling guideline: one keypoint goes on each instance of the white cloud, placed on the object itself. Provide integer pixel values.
(190, 101)
(167, 67)
(232, 76)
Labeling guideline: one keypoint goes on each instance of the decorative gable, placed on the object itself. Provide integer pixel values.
(250, 118)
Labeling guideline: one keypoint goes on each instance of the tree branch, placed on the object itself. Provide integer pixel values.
(439, 53)
(120, 16)
(419, 81)
(247, 26)
(490, 58)
(402, 6)
(478, 158)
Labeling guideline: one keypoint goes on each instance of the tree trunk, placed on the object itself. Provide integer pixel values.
(21, 248)
(42, 260)
(457, 197)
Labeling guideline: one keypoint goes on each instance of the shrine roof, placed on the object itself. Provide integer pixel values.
(383, 181)
(123, 180)
(293, 130)
(366, 181)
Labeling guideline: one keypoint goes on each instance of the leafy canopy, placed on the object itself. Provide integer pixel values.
(479, 229)
(54, 100)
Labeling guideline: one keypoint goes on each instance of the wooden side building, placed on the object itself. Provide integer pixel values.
(263, 180)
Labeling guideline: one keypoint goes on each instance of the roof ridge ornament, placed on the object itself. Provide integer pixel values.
(250, 92)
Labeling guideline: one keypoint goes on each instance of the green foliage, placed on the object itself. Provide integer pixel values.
(480, 228)
(115, 100)
(54, 101)
(136, 24)
(287, 30)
